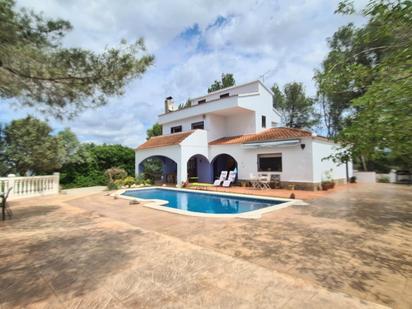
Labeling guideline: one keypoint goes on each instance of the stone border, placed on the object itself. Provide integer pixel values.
(254, 214)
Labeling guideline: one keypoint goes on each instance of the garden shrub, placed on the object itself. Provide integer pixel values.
(129, 181)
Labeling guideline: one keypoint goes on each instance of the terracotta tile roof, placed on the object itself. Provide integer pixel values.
(266, 135)
(165, 140)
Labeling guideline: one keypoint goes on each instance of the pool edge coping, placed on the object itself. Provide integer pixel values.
(159, 204)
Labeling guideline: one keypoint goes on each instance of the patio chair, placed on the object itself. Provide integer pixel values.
(221, 179)
(230, 179)
(275, 180)
(264, 181)
(254, 181)
(5, 208)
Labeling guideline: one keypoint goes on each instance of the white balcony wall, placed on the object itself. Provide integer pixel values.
(216, 126)
(30, 186)
(247, 88)
(240, 123)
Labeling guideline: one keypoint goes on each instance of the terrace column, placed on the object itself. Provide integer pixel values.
(56, 183)
(181, 173)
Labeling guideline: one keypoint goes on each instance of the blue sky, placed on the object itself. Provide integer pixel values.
(193, 42)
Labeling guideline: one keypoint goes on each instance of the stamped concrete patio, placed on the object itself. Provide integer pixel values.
(349, 249)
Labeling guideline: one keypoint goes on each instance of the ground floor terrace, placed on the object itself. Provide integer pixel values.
(350, 248)
(189, 157)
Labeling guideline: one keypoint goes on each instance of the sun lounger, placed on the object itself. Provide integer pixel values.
(231, 179)
(221, 179)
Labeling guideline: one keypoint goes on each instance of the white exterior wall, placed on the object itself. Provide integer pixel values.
(239, 124)
(365, 177)
(266, 109)
(215, 126)
(185, 123)
(323, 149)
(296, 163)
(196, 143)
(171, 152)
(236, 115)
(248, 88)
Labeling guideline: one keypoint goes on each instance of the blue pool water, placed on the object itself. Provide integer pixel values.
(202, 202)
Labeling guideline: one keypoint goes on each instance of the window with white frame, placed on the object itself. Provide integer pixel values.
(271, 162)
(263, 121)
(176, 129)
(198, 125)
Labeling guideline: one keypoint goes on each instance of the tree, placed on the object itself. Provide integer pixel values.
(296, 109)
(29, 147)
(155, 130)
(39, 72)
(94, 161)
(68, 146)
(153, 166)
(4, 169)
(185, 105)
(227, 80)
(367, 74)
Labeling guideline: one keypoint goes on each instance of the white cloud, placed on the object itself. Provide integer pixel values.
(284, 39)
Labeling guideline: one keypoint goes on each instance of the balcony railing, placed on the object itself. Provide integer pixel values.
(30, 186)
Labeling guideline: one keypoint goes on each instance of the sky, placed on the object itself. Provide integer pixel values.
(193, 42)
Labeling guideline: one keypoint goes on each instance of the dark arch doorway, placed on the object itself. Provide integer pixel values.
(159, 169)
(198, 169)
(223, 162)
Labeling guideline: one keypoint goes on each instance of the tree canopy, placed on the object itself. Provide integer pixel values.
(155, 130)
(29, 147)
(227, 80)
(39, 72)
(296, 109)
(366, 82)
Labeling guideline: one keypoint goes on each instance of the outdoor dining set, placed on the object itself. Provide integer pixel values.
(262, 181)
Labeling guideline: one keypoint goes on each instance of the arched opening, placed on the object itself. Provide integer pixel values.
(198, 169)
(159, 169)
(223, 162)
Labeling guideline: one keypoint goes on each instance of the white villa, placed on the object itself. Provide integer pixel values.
(237, 129)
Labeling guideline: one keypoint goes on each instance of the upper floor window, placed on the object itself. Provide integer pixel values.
(225, 95)
(201, 101)
(274, 124)
(176, 129)
(198, 125)
(263, 121)
(270, 162)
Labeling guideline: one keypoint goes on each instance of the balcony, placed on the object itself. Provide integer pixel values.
(218, 106)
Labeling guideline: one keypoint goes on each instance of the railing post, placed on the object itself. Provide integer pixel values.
(10, 184)
(56, 182)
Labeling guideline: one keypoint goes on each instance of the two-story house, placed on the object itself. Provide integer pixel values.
(237, 128)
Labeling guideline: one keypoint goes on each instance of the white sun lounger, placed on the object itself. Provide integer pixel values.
(230, 179)
(221, 179)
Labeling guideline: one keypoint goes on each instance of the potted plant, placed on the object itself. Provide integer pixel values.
(328, 182)
(325, 185)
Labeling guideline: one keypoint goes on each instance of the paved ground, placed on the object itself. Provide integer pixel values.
(96, 251)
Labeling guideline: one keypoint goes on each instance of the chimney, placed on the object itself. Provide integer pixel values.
(169, 105)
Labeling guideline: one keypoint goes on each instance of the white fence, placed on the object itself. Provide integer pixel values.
(365, 177)
(30, 186)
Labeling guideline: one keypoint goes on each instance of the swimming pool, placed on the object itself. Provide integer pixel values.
(207, 203)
